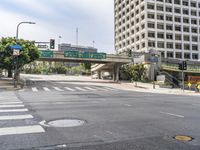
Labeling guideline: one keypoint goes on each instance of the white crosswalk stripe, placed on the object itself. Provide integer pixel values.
(21, 130)
(15, 117)
(13, 110)
(81, 89)
(34, 89)
(58, 89)
(89, 88)
(46, 89)
(11, 106)
(15, 106)
(69, 89)
(11, 102)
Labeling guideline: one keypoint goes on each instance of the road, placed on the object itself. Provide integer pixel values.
(114, 119)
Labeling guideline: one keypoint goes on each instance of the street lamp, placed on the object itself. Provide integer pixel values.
(17, 33)
(16, 57)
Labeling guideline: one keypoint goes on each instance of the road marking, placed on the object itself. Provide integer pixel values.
(128, 105)
(21, 130)
(69, 89)
(58, 89)
(92, 89)
(101, 88)
(11, 106)
(22, 90)
(34, 89)
(110, 88)
(12, 102)
(16, 117)
(81, 89)
(176, 115)
(14, 110)
(46, 89)
(44, 123)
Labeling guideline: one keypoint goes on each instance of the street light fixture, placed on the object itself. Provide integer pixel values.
(17, 33)
(16, 57)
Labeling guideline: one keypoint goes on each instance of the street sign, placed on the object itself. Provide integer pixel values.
(89, 55)
(189, 84)
(46, 54)
(198, 86)
(16, 47)
(16, 52)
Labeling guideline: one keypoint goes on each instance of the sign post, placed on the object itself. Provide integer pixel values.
(16, 52)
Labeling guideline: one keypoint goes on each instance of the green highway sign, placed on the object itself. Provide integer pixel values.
(89, 55)
(46, 54)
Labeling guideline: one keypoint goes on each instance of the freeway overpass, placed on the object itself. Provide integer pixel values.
(109, 61)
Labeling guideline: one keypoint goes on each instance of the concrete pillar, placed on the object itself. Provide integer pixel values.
(116, 72)
(99, 74)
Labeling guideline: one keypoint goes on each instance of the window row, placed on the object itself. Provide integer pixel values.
(171, 45)
(171, 18)
(179, 55)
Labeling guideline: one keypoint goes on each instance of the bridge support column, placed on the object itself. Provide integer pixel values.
(99, 75)
(116, 72)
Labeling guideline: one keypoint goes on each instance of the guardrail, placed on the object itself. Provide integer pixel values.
(174, 67)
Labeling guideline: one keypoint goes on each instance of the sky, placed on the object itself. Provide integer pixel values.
(93, 18)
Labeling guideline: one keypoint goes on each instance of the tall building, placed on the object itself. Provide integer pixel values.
(171, 27)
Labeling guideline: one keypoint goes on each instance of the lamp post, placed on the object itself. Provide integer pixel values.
(16, 56)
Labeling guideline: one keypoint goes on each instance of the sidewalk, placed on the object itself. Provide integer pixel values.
(7, 84)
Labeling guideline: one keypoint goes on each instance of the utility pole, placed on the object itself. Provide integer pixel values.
(77, 37)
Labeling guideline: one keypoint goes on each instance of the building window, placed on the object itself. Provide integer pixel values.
(178, 46)
(150, 6)
(151, 44)
(161, 45)
(194, 47)
(195, 56)
(178, 55)
(151, 34)
(160, 17)
(187, 55)
(151, 25)
(178, 37)
(169, 36)
(169, 27)
(170, 54)
(160, 35)
(186, 38)
(160, 26)
(170, 45)
(186, 46)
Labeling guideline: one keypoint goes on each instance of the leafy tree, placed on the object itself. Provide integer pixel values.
(135, 72)
(87, 65)
(28, 54)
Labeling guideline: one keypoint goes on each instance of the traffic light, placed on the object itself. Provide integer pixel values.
(180, 65)
(52, 44)
(130, 53)
(184, 65)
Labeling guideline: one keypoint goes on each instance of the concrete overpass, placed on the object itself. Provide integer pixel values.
(107, 62)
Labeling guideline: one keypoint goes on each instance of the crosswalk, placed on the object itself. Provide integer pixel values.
(13, 110)
(69, 89)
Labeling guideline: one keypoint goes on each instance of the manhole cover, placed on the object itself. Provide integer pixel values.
(66, 123)
(183, 138)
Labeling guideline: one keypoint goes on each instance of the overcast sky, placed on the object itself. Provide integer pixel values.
(55, 18)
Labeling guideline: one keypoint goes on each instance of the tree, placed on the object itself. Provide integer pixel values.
(135, 72)
(28, 54)
(86, 65)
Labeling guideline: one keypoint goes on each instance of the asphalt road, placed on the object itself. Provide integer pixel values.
(114, 119)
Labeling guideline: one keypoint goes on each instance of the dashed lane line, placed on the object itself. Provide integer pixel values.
(175, 115)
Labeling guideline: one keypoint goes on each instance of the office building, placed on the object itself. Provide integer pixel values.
(168, 26)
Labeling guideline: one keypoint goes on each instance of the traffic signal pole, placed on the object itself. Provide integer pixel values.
(183, 80)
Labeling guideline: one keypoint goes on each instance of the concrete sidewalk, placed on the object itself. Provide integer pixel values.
(7, 84)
